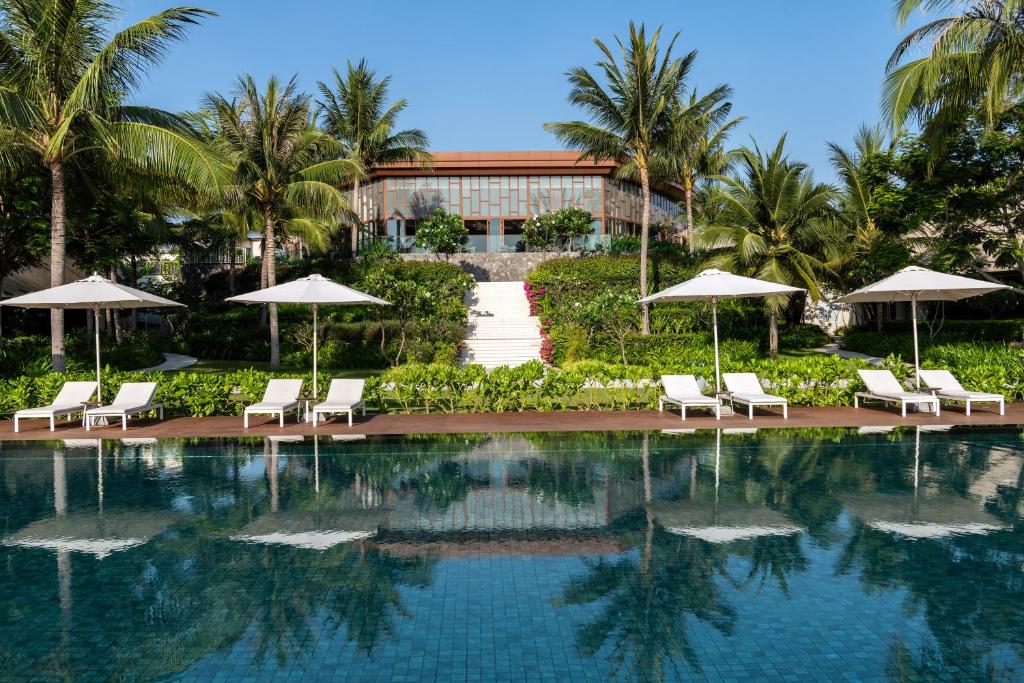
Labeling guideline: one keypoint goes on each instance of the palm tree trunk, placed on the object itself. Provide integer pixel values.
(773, 334)
(58, 258)
(118, 336)
(689, 217)
(645, 234)
(356, 206)
(263, 282)
(231, 269)
(133, 320)
(269, 257)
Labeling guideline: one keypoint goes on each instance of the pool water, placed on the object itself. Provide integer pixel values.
(781, 554)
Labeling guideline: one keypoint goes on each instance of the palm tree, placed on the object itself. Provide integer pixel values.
(975, 60)
(867, 252)
(63, 80)
(285, 170)
(356, 114)
(695, 148)
(773, 222)
(630, 115)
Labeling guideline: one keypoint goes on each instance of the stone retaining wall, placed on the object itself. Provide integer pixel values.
(496, 267)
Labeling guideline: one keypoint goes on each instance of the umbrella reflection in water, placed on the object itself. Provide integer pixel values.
(722, 522)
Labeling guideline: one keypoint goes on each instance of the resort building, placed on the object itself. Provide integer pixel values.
(496, 192)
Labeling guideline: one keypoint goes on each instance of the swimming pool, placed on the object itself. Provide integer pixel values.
(786, 554)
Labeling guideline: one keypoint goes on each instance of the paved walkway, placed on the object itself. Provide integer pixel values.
(485, 423)
(173, 361)
(834, 349)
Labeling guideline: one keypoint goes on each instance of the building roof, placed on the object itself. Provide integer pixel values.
(522, 162)
(552, 162)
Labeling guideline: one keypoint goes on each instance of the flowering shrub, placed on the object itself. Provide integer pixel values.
(547, 347)
(534, 294)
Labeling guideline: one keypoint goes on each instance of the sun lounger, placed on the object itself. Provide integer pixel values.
(745, 389)
(947, 388)
(68, 401)
(683, 391)
(132, 398)
(344, 396)
(280, 396)
(883, 386)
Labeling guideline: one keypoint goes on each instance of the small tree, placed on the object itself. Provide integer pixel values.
(409, 300)
(613, 312)
(557, 228)
(442, 233)
(539, 231)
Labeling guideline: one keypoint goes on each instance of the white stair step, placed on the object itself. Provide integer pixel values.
(500, 329)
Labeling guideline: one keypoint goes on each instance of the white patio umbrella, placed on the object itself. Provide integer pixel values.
(915, 284)
(314, 290)
(713, 285)
(94, 293)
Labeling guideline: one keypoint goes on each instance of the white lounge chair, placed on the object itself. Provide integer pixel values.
(745, 388)
(68, 401)
(683, 391)
(947, 388)
(883, 386)
(280, 396)
(343, 396)
(132, 398)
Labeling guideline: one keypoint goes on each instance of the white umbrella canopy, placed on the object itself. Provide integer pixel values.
(712, 285)
(914, 284)
(94, 292)
(314, 290)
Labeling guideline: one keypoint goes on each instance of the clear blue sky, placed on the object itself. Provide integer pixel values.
(482, 74)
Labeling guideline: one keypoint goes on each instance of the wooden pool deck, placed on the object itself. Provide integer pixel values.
(583, 421)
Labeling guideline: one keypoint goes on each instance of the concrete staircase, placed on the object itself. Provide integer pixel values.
(501, 330)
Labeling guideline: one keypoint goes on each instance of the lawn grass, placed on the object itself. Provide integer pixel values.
(214, 367)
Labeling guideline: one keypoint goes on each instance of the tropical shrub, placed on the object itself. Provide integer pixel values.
(433, 320)
(804, 336)
(557, 228)
(897, 337)
(30, 355)
(584, 306)
(990, 367)
(593, 385)
(442, 233)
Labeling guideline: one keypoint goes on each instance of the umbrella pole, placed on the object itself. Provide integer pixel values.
(314, 352)
(917, 362)
(96, 328)
(714, 319)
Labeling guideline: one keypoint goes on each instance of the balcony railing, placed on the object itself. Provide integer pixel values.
(489, 244)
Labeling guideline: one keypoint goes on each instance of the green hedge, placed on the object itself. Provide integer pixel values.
(897, 337)
(559, 288)
(591, 385)
(992, 367)
(665, 353)
(31, 354)
(182, 393)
